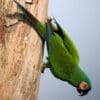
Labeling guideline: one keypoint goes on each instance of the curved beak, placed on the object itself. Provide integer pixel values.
(83, 92)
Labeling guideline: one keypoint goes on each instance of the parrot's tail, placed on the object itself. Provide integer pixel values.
(35, 23)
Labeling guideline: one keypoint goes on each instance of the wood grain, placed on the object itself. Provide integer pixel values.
(21, 51)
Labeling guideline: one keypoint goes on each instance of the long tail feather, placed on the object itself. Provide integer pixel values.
(37, 25)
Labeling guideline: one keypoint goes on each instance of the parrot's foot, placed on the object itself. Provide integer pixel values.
(51, 19)
(48, 19)
(44, 66)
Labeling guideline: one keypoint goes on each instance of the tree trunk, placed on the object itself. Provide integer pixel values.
(21, 52)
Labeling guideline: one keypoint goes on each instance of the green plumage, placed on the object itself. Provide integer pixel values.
(63, 57)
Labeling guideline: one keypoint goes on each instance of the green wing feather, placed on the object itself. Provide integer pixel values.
(59, 57)
(64, 63)
(68, 43)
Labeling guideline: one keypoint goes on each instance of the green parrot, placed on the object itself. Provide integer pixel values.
(63, 57)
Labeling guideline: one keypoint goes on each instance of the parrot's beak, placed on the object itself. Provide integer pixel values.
(83, 92)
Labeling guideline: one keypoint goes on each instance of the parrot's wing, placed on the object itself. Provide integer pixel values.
(68, 43)
(35, 23)
(59, 56)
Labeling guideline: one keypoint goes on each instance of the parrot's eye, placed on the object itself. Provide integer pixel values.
(83, 88)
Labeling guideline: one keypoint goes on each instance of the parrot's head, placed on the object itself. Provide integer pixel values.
(81, 81)
(83, 88)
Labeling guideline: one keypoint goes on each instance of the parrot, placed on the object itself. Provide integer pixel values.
(63, 57)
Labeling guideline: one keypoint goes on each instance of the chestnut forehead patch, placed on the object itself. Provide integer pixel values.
(83, 86)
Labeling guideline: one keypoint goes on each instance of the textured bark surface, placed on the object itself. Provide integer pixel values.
(21, 52)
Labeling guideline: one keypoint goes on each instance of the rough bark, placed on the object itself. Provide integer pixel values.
(21, 52)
